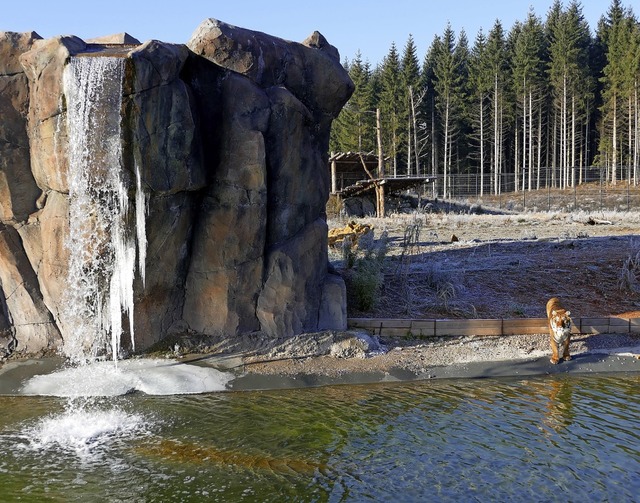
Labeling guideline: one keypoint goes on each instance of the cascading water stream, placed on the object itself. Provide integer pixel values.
(102, 247)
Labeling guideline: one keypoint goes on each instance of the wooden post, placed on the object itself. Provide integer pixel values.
(334, 181)
(379, 187)
(379, 140)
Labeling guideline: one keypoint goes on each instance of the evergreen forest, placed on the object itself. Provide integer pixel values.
(540, 105)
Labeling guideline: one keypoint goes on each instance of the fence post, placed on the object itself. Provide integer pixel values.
(601, 190)
(575, 188)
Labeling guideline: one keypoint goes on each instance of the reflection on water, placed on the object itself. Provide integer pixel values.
(544, 439)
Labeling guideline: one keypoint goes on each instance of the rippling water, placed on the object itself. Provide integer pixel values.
(560, 438)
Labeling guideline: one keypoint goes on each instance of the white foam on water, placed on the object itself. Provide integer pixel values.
(84, 431)
(150, 376)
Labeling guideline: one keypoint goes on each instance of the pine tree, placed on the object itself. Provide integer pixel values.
(462, 56)
(429, 111)
(413, 97)
(391, 105)
(569, 71)
(497, 63)
(545, 95)
(615, 33)
(480, 85)
(528, 80)
(448, 71)
(354, 129)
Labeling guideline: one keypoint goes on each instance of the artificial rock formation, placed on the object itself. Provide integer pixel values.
(224, 141)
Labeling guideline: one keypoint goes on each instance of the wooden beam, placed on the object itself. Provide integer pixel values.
(486, 327)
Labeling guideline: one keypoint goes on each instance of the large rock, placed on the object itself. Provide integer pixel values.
(115, 38)
(159, 301)
(18, 189)
(226, 270)
(161, 131)
(44, 65)
(222, 182)
(311, 70)
(32, 323)
(306, 87)
(295, 272)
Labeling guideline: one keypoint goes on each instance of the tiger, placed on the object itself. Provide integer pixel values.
(559, 328)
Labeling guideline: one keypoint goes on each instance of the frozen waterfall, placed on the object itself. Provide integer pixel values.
(104, 233)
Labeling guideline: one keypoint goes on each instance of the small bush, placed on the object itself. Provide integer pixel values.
(628, 280)
(366, 277)
(366, 284)
(335, 206)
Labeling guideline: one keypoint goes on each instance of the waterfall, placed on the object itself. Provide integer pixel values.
(101, 244)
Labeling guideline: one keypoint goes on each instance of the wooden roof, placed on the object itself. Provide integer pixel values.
(354, 179)
(390, 184)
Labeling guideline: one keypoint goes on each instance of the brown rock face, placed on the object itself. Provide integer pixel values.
(304, 88)
(221, 184)
(18, 189)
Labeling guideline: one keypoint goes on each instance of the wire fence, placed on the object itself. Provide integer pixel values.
(589, 189)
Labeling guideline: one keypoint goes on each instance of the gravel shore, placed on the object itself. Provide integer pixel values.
(355, 357)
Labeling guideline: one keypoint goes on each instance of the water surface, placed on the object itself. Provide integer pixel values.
(555, 438)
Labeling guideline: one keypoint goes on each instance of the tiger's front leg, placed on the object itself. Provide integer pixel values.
(554, 351)
(565, 350)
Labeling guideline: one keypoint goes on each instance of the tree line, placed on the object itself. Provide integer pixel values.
(540, 103)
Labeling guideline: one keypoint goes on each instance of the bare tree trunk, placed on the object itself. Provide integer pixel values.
(409, 155)
(563, 134)
(414, 115)
(495, 135)
(434, 151)
(446, 151)
(573, 140)
(516, 171)
(630, 139)
(379, 142)
(481, 148)
(500, 152)
(636, 143)
(614, 143)
(530, 139)
(554, 154)
(377, 181)
(524, 141)
(539, 163)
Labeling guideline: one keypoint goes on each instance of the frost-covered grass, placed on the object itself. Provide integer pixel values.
(429, 272)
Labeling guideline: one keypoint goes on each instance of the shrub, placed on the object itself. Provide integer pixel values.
(366, 277)
(628, 279)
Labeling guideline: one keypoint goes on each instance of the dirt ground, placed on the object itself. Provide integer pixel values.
(506, 266)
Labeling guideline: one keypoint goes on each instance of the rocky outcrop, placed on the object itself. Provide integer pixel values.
(281, 183)
(26, 325)
(18, 189)
(224, 178)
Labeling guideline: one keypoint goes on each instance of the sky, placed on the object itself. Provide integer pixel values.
(368, 26)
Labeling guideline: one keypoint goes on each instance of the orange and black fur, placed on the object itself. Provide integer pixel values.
(559, 328)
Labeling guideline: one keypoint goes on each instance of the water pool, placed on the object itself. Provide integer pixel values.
(554, 438)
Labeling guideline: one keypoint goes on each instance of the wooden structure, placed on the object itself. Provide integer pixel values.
(358, 173)
(515, 326)
(347, 169)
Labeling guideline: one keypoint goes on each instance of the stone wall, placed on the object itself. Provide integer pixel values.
(229, 135)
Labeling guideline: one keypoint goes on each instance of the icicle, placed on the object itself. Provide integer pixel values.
(141, 231)
(102, 251)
